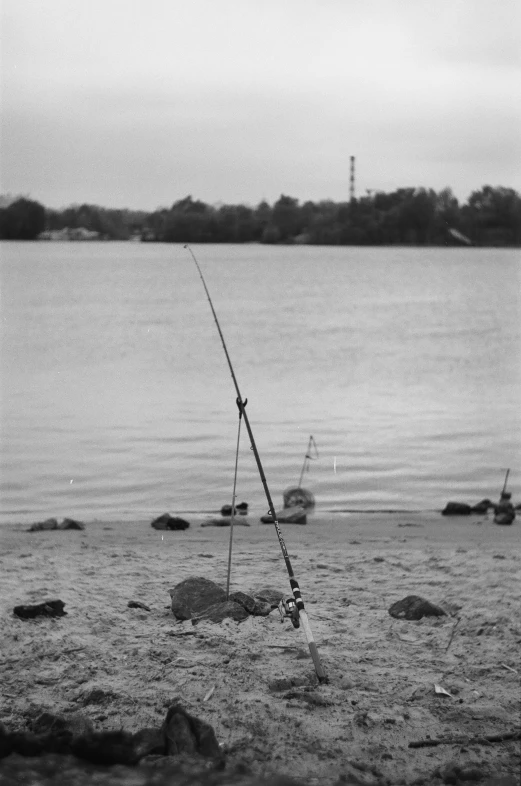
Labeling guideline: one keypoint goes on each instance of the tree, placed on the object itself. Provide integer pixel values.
(22, 220)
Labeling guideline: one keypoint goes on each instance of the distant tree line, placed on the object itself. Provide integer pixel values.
(408, 216)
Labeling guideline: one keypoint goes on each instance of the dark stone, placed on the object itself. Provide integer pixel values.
(106, 748)
(241, 508)
(43, 525)
(483, 506)
(49, 608)
(28, 744)
(456, 509)
(268, 595)
(136, 604)
(149, 742)
(75, 724)
(262, 608)
(414, 608)
(98, 696)
(166, 521)
(244, 600)
(193, 595)
(71, 524)
(294, 515)
(6, 742)
(180, 734)
(183, 733)
(221, 611)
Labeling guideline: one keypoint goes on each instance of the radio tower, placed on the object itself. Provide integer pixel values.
(352, 178)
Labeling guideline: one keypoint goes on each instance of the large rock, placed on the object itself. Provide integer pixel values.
(184, 733)
(268, 595)
(229, 609)
(294, 515)
(193, 595)
(166, 521)
(456, 509)
(255, 606)
(414, 608)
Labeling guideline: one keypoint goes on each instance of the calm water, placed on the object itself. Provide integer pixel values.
(404, 364)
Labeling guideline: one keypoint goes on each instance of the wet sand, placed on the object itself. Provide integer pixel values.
(122, 666)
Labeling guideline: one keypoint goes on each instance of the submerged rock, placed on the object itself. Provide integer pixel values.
(414, 608)
(166, 521)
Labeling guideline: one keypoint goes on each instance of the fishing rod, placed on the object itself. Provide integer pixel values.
(241, 403)
(308, 457)
(505, 483)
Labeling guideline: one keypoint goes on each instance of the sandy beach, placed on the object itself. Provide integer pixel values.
(122, 667)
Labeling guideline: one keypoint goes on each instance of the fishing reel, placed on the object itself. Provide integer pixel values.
(288, 608)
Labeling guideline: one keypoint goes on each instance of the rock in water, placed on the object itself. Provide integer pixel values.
(456, 509)
(71, 524)
(49, 608)
(43, 525)
(414, 608)
(241, 508)
(483, 506)
(193, 595)
(294, 515)
(166, 521)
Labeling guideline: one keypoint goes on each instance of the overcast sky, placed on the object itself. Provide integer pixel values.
(137, 103)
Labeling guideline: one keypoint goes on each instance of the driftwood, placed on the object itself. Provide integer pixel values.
(485, 739)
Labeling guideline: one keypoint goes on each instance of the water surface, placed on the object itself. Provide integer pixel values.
(117, 402)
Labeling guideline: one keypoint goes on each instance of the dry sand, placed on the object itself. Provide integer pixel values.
(122, 667)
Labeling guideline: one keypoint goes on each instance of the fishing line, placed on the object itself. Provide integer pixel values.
(232, 520)
(321, 674)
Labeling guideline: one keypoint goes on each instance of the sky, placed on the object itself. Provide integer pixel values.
(139, 103)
